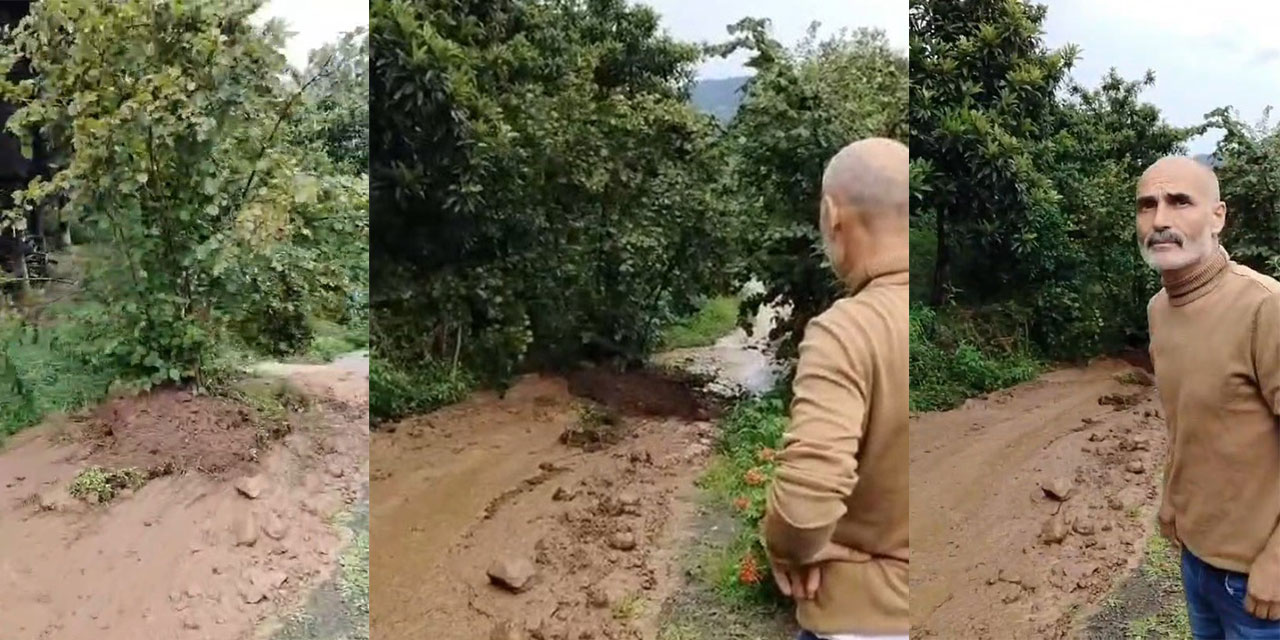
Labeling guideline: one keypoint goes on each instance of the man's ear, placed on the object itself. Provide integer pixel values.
(1219, 218)
(832, 216)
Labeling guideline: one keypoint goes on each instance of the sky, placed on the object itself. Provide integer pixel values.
(314, 26)
(705, 21)
(1202, 59)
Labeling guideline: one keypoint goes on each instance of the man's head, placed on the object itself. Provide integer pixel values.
(865, 205)
(1179, 213)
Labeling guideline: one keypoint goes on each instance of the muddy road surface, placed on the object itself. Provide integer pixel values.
(484, 521)
(203, 551)
(1028, 506)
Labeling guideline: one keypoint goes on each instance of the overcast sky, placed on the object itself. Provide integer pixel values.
(315, 23)
(1203, 58)
(705, 20)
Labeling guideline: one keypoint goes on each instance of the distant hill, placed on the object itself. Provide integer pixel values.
(718, 97)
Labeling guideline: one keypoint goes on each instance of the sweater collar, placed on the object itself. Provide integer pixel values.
(1198, 282)
(888, 268)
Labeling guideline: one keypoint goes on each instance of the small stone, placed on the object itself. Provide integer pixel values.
(276, 579)
(1008, 575)
(251, 593)
(563, 495)
(628, 499)
(1059, 488)
(245, 529)
(1012, 597)
(1054, 531)
(1135, 466)
(1083, 527)
(251, 486)
(512, 573)
(336, 469)
(504, 630)
(194, 591)
(275, 527)
(190, 623)
(622, 541)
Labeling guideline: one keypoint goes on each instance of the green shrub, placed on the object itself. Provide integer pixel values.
(951, 360)
(397, 391)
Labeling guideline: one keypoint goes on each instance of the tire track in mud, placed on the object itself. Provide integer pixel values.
(994, 555)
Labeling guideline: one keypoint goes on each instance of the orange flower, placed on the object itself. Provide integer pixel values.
(748, 572)
(754, 478)
(741, 503)
(767, 454)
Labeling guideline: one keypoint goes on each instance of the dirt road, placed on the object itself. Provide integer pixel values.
(994, 555)
(189, 554)
(487, 485)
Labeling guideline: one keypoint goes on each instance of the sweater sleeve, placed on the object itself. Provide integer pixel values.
(1266, 350)
(817, 467)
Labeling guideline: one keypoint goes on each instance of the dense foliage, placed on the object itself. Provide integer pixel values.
(189, 152)
(1022, 198)
(542, 189)
(800, 108)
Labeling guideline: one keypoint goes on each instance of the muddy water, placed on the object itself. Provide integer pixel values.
(737, 362)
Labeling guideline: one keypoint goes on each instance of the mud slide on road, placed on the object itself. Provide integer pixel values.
(995, 556)
(187, 555)
(486, 486)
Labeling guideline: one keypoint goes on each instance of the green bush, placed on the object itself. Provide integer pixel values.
(397, 391)
(950, 360)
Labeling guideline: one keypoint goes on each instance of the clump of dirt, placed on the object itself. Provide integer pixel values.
(1122, 401)
(174, 430)
(597, 427)
(643, 392)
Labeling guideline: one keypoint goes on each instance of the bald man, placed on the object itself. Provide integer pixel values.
(836, 522)
(1215, 343)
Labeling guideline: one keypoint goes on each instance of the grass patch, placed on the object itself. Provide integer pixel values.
(96, 484)
(354, 584)
(954, 357)
(737, 479)
(43, 370)
(713, 321)
(330, 340)
(397, 390)
(1162, 568)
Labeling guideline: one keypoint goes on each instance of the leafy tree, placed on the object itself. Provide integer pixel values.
(541, 188)
(178, 119)
(800, 108)
(1249, 176)
(336, 101)
(1022, 184)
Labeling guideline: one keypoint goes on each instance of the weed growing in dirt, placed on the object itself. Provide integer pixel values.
(629, 608)
(1162, 568)
(738, 478)
(713, 321)
(951, 360)
(355, 573)
(96, 484)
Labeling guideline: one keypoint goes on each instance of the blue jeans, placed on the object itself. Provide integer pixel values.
(1215, 604)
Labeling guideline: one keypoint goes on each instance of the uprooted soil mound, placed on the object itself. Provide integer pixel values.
(643, 392)
(174, 430)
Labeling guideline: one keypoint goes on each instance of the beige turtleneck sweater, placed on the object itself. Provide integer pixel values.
(1215, 343)
(842, 473)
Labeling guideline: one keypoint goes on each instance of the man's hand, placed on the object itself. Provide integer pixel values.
(800, 583)
(1168, 527)
(1262, 599)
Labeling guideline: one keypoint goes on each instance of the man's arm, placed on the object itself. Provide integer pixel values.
(1266, 368)
(817, 467)
(1262, 599)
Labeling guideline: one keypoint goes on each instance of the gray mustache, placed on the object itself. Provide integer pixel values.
(1166, 235)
